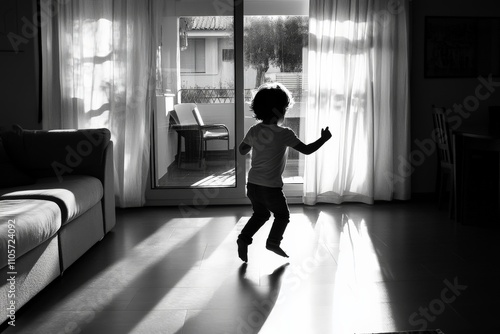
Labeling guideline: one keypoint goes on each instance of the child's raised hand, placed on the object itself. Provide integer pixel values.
(325, 134)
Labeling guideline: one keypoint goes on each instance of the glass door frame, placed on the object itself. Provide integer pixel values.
(197, 198)
(201, 197)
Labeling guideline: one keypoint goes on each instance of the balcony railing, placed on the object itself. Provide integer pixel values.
(221, 95)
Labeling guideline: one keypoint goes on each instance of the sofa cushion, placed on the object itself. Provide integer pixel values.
(74, 196)
(44, 153)
(32, 223)
(10, 175)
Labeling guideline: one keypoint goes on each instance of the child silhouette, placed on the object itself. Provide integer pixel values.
(269, 142)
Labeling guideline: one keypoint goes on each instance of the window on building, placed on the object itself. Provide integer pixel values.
(227, 54)
(193, 57)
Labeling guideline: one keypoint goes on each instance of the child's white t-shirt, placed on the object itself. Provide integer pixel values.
(269, 144)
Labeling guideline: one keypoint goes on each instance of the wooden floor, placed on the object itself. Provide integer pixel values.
(353, 268)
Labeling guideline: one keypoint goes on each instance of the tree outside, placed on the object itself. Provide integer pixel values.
(274, 41)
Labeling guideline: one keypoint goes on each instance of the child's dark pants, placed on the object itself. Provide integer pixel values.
(264, 201)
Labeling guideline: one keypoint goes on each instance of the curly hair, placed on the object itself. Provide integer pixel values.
(271, 102)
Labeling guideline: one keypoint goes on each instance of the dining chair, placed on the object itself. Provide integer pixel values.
(445, 178)
(190, 122)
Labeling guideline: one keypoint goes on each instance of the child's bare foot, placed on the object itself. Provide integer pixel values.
(276, 249)
(242, 250)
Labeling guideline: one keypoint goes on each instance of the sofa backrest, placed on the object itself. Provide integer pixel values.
(44, 153)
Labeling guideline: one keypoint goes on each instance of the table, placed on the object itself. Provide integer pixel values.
(192, 135)
(468, 142)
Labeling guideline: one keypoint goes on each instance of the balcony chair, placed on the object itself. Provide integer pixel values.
(445, 177)
(196, 133)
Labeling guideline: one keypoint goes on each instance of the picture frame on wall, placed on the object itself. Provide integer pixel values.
(461, 47)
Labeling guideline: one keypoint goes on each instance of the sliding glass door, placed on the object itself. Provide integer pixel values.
(208, 70)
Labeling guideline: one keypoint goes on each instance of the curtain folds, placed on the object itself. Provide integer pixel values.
(358, 81)
(98, 71)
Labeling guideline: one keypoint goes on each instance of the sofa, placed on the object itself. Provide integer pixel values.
(56, 202)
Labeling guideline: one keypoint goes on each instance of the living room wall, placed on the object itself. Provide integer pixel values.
(19, 66)
(444, 92)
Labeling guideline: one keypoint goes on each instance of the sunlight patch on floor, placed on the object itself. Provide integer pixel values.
(223, 179)
(309, 259)
(356, 304)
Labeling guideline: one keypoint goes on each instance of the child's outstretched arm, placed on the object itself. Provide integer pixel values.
(244, 148)
(313, 147)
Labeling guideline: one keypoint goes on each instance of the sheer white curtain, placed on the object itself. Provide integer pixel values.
(358, 86)
(98, 71)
